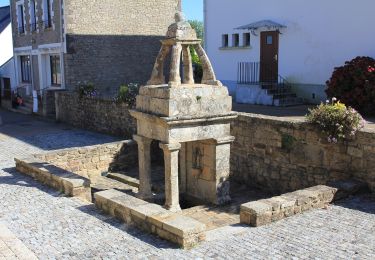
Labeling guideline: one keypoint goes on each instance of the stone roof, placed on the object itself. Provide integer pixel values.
(4, 17)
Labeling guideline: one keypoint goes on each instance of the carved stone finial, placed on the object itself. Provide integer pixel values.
(179, 17)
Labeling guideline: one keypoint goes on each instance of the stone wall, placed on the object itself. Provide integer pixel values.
(99, 115)
(280, 155)
(91, 161)
(117, 47)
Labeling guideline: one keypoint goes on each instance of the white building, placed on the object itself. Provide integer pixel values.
(7, 75)
(297, 43)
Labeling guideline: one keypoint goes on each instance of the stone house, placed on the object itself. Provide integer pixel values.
(58, 44)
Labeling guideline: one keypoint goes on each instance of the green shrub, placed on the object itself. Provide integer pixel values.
(127, 94)
(87, 90)
(354, 84)
(336, 120)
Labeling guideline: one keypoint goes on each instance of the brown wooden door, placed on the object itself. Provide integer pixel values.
(269, 56)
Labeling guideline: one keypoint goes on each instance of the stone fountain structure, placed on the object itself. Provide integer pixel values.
(190, 120)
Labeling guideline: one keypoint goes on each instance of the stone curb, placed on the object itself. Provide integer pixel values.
(72, 185)
(181, 230)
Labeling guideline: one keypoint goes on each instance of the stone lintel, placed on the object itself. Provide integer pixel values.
(142, 139)
(218, 141)
(169, 122)
(170, 147)
(171, 42)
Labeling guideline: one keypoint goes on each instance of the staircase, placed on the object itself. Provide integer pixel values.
(282, 94)
(27, 108)
(269, 87)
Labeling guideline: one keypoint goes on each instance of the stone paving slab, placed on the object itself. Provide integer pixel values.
(11, 247)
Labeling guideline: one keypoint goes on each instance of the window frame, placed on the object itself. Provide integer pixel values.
(33, 15)
(25, 62)
(235, 40)
(20, 18)
(246, 40)
(47, 13)
(225, 41)
(55, 70)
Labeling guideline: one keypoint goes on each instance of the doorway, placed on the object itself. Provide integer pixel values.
(269, 56)
(5, 90)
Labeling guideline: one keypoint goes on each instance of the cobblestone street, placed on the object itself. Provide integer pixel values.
(55, 227)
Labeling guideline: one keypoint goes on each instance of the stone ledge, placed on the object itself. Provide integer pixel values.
(72, 185)
(182, 230)
(263, 212)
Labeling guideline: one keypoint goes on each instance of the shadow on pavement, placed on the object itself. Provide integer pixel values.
(133, 231)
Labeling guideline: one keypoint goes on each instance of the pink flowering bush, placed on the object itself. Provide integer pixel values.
(336, 120)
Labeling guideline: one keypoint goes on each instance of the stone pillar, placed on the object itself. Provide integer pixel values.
(157, 76)
(208, 72)
(222, 168)
(144, 161)
(188, 65)
(174, 77)
(172, 196)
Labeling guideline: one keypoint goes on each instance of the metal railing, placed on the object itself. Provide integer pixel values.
(257, 73)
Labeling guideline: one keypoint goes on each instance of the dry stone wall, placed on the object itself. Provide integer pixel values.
(99, 115)
(281, 155)
(91, 161)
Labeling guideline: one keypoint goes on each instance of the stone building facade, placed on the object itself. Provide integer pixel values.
(59, 43)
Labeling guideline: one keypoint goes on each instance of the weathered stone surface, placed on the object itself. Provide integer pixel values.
(263, 212)
(152, 218)
(69, 183)
(283, 155)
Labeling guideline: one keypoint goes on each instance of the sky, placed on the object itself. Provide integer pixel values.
(193, 9)
(6, 2)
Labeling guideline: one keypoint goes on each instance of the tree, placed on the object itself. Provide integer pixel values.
(199, 28)
(198, 71)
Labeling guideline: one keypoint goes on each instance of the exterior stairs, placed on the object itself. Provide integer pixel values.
(27, 109)
(282, 94)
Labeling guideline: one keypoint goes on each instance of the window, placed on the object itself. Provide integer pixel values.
(25, 69)
(269, 40)
(20, 20)
(55, 70)
(32, 15)
(236, 40)
(246, 39)
(225, 41)
(47, 8)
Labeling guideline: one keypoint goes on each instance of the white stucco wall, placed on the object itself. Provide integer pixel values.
(6, 54)
(320, 35)
(6, 45)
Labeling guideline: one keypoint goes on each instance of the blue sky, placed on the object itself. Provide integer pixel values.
(4, 2)
(193, 8)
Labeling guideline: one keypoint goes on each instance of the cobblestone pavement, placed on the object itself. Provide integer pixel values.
(11, 247)
(55, 227)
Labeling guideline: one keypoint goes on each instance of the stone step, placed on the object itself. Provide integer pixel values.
(287, 102)
(132, 181)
